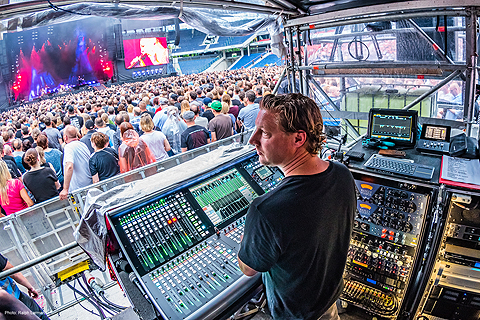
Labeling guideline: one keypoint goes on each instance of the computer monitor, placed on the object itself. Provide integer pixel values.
(398, 126)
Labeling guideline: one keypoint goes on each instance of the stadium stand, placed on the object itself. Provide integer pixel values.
(230, 41)
(191, 66)
(268, 60)
(245, 61)
(191, 40)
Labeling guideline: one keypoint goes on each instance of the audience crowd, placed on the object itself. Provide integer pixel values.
(58, 145)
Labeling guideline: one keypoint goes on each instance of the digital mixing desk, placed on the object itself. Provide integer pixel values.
(182, 242)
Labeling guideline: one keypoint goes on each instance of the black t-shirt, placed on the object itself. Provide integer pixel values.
(28, 138)
(41, 183)
(105, 163)
(3, 262)
(12, 167)
(18, 134)
(76, 121)
(194, 137)
(208, 114)
(298, 235)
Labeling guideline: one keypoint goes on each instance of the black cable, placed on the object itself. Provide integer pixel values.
(56, 8)
(87, 298)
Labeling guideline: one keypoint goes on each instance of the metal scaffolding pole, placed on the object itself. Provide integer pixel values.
(330, 101)
(433, 89)
(282, 76)
(299, 54)
(471, 73)
(437, 48)
(293, 76)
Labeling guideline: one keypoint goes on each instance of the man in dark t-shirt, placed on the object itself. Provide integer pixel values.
(194, 136)
(298, 235)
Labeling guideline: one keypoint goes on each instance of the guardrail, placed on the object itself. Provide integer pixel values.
(34, 233)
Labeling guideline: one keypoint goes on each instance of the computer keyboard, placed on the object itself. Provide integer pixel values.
(402, 167)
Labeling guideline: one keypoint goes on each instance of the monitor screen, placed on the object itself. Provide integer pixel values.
(436, 132)
(398, 126)
(224, 196)
(145, 52)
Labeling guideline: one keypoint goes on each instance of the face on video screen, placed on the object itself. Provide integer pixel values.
(145, 52)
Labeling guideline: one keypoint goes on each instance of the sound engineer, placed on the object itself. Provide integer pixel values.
(298, 234)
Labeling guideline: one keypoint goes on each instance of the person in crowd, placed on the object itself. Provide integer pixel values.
(75, 120)
(117, 137)
(52, 156)
(54, 137)
(184, 106)
(26, 135)
(155, 140)
(133, 152)
(173, 128)
(104, 162)
(313, 208)
(246, 116)
(14, 304)
(42, 181)
(90, 127)
(201, 121)
(13, 195)
(225, 110)
(232, 109)
(18, 154)
(194, 136)
(221, 126)
(76, 171)
(10, 162)
(103, 128)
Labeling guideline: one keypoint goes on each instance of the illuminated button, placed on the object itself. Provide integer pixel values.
(383, 235)
(384, 230)
(392, 233)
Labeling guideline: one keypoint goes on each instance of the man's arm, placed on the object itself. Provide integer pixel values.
(20, 278)
(249, 272)
(214, 136)
(66, 180)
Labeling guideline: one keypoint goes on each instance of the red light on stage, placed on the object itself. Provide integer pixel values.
(441, 29)
(94, 48)
(169, 221)
(174, 219)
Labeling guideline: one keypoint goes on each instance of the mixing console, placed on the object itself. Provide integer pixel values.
(183, 242)
(266, 177)
(387, 227)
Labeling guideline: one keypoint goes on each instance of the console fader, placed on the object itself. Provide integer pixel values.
(387, 229)
(182, 243)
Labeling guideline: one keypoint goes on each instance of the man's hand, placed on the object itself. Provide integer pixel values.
(32, 293)
(64, 194)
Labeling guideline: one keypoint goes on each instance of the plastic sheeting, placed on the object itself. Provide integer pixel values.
(208, 21)
(91, 233)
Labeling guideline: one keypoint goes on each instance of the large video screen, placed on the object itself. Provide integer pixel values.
(55, 58)
(145, 52)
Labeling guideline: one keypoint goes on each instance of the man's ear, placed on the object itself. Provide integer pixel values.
(300, 138)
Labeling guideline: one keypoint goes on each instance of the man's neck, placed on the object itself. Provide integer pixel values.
(304, 163)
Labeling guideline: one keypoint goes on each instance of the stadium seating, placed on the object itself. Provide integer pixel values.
(245, 61)
(190, 40)
(269, 60)
(189, 66)
(229, 41)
